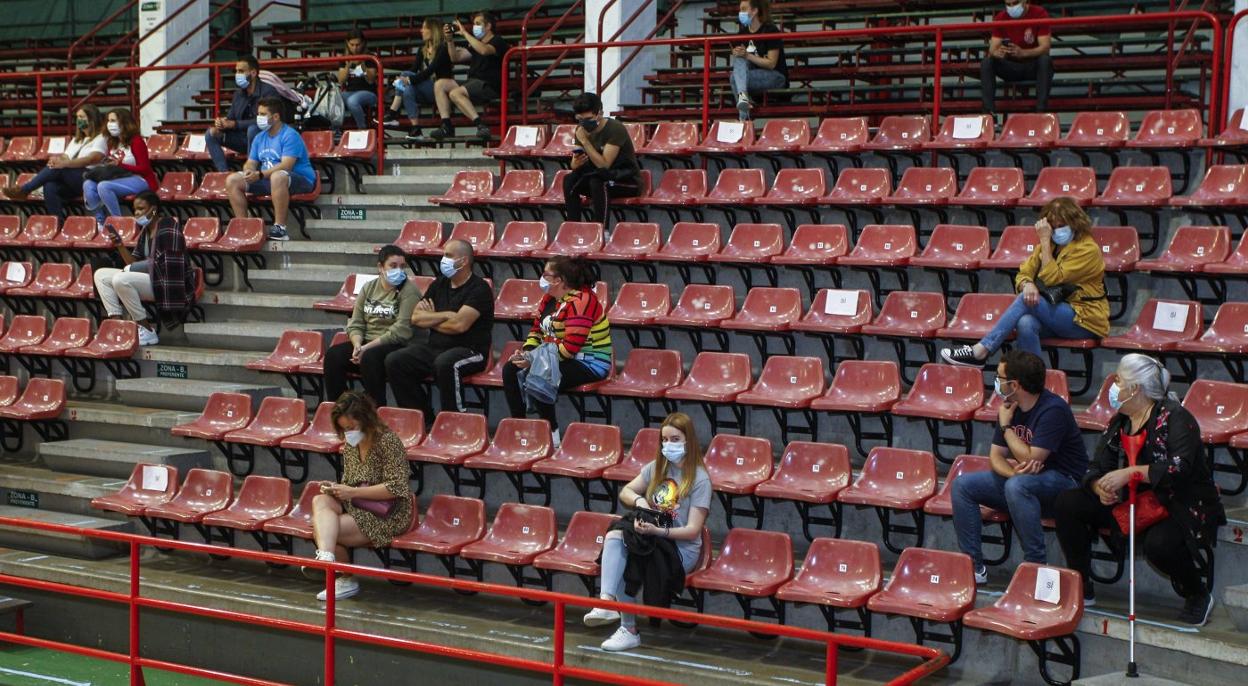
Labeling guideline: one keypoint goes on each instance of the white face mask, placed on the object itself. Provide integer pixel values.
(353, 438)
(114, 129)
(543, 284)
(262, 122)
(674, 451)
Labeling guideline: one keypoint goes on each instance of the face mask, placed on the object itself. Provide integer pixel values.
(82, 124)
(1063, 234)
(543, 284)
(395, 276)
(142, 220)
(674, 452)
(1015, 11)
(588, 124)
(114, 129)
(478, 32)
(447, 266)
(262, 122)
(744, 18)
(1114, 401)
(996, 387)
(241, 80)
(353, 438)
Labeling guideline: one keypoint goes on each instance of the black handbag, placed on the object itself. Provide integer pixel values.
(106, 172)
(1056, 295)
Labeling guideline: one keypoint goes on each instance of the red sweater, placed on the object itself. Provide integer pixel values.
(142, 163)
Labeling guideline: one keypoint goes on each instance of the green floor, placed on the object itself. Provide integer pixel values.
(21, 666)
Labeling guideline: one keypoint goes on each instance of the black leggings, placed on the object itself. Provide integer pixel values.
(372, 370)
(572, 373)
(588, 181)
(1080, 515)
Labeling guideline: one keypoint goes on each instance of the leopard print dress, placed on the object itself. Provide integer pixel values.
(385, 464)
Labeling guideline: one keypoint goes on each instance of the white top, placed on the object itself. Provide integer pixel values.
(76, 149)
(123, 154)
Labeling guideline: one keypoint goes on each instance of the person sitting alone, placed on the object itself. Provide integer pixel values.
(758, 66)
(1018, 53)
(604, 163)
(277, 166)
(484, 55)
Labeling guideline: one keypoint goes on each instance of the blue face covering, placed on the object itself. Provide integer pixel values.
(447, 266)
(395, 276)
(241, 80)
(1016, 11)
(674, 452)
(478, 32)
(1063, 235)
(1114, 401)
(744, 18)
(996, 387)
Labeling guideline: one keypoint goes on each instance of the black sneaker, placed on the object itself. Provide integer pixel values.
(963, 356)
(441, 133)
(484, 132)
(1196, 610)
(1089, 594)
(415, 134)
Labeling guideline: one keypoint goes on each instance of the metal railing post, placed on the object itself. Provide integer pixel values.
(136, 670)
(560, 611)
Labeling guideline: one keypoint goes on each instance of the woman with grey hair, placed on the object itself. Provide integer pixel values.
(1176, 491)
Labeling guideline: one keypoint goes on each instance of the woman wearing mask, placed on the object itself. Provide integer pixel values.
(373, 504)
(125, 171)
(415, 88)
(1155, 440)
(122, 291)
(358, 81)
(61, 179)
(380, 324)
(676, 486)
(1061, 289)
(757, 65)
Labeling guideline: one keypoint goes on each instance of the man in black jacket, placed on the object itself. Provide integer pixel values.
(236, 129)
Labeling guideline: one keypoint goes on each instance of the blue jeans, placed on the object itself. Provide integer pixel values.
(298, 186)
(1027, 497)
(104, 198)
(416, 95)
(1033, 322)
(59, 185)
(234, 139)
(611, 575)
(356, 101)
(748, 78)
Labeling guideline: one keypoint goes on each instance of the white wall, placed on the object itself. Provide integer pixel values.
(1239, 65)
(188, 47)
(626, 88)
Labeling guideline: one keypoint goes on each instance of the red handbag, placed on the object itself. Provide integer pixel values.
(1148, 509)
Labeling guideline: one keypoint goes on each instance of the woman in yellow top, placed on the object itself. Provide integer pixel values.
(1061, 289)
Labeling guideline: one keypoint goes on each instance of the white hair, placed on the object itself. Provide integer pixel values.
(1146, 372)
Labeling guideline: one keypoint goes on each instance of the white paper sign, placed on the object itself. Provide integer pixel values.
(197, 143)
(730, 132)
(1048, 585)
(357, 140)
(56, 146)
(1171, 316)
(967, 128)
(526, 136)
(155, 478)
(843, 303)
(361, 280)
(1243, 123)
(15, 272)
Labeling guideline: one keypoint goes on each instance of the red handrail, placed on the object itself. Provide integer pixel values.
(658, 26)
(1225, 86)
(938, 31)
(932, 659)
(69, 56)
(526, 88)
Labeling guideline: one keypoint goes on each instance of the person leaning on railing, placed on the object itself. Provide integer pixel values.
(758, 66)
(655, 545)
(61, 179)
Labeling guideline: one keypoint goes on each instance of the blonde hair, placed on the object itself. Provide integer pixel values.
(1066, 212)
(434, 44)
(689, 466)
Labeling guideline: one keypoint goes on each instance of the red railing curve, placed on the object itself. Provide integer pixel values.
(559, 671)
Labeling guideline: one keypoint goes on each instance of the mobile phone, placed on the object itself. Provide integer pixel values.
(112, 233)
(578, 151)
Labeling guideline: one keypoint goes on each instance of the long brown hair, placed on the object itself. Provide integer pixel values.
(95, 122)
(360, 407)
(129, 128)
(1066, 212)
(434, 44)
(764, 10)
(688, 467)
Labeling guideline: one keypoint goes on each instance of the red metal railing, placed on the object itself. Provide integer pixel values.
(932, 659)
(938, 31)
(69, 56)
(1225, 86)
(659, 25)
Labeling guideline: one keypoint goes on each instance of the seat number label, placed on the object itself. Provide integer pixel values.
(814, 468)
(772, 309)
(598, 540)
(740, 461)
(792, 379)
(524, 442)
(935, 578)
(901, 475)
(455, 521)
(842, 568)
(988, 317)
(948, 390)
(524, 530)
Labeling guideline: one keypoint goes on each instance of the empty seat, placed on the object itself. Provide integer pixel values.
(953, 246)
(751, 565)
(638, 304)
(200, 230)
(516, 446)
(453, 438)
(726, 138)
(518, 534)
(24, 330)
(787, 384)
(480, 235)
(573, 239)
(835, 313)
(149, 484)
(1076, 183)
(419, 236)
(895, 480)
(678, 188)
(671, 139)
(964, 132)
(39, 227)
(641, 452)
(992, 187)
(737, 465)
(781, 136)
(450, 523)
(944, 394)
(767, 313)
(1028, 131)
(1190, 249)
(930, 586)
(1224, 185)
(863, 387)
(293, 349)
(1226, 339)
(260, 499)
(518, 186)
(467, 186)
(277, 418)
(869, 186)
(205, 491)
(908, 314)
(15, 275)
(701, 306)
(52, 277)
(925, 186)
(578, 550)
(1161, 326)
(840, 135)
(66, 333)
(631, 241)
(815, 245)
(714, 380)
(736, 187)
(584, 453)
(223, 413)
(1098, 130)
(520, 142)
(796, 187)
(646, 376)
(901, 133)
(1136, 187)
(837, 574)
(1169, 129)
(810, 475)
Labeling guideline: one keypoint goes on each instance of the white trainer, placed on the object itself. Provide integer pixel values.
(148, 336)
(600, 617)
(344, 587)
(622, 639)
(314, 572)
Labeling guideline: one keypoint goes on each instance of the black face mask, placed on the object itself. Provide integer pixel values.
(588, 124)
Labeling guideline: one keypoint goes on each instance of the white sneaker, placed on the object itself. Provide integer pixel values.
(314, 572)
(981, 575)
(743, 106)
(622, 639)
(600, 617)
(344, 587)
(555, 440)
(148, 336)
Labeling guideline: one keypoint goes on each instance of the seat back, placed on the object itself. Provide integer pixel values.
(419, 235)
(1025, 612)
(713, 136)
(640, 301)
(634, 238)
(244, 234)
(175, 185)
(150, 484)
(279, 417)
(754, 242)
(842, 567)
(886, 241)
(523, 528)
(783, 133)
(1120, 246)
(842, 131)
(41, 227)
(912, 311)
(994, 183)
(933, 579)
(200, 230)
(78, 228)
(520, 184)
(957, 242)
(977, 313)
(562, 140)
(771, 307)
(1176, 128)
(798, 185)
(1166, 321)
(44, 396)
(822, 465)
(692, 239)
(735, 185)
(661, 368)
(704, 303)
(955, 129)
(115, 335)
(298, 347)
(1098, 128)
(21, 149)
(947, 388)
(636, 133)
(1192, 245)
(162, 146)
(730, 458)
(25, 329)
(69, 332)
(469, 185)
(902, 132)
(322, 428)
(262, 497)
(212, 186)
(318, 143)
(54, 277)
(522, 439)
(756, 557)
(823, 242)
(1016, 244)
(353, 144)
(407, 424)
(458, 432)
(870, 382)
(577, 238)
(898, 473)
(205, 490)
(8, 390)
(671, 137)
(1230, 324)
(227, 410)
(519, 237)
(590, 444)
(1144, 185)
(791, 377)
(518, 299)
(868, 184)
(927, 183)
(719, 372)
(861, 313)
(16, 274)
(1030, 129)
(1077, 183)
(582, 540)
(453, 517)
(537, 134)
(681, 184)
(1220, 408)
(480, 235)
(1223, 182)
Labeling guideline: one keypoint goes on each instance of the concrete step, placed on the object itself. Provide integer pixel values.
(465, 157)
(205, 364)
(238, 335)
(321, 280)
(295, 310)
(113, 421)
(1119, 679)
(187, 395)
(377, 229)
(54, 490)
(422, 183)
(346, 250)
(115, 458)
(59, 543)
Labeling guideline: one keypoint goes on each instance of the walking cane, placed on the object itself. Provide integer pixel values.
(1132, 670)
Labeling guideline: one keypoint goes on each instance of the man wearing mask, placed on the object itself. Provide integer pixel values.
(604, 164)
(238, 127)
(458, 312)
(483, 51)
(1018, 53)
(1037, 453)
(277, 166)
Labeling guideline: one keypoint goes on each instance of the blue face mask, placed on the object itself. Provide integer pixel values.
(447, 266)
(674, 452)
(1063, 235)
(1016, 11)
(1114, 401)
(996, 387)
(744, 18)
(478, 32)
(241, 80)
(396, 276)
(262, 122)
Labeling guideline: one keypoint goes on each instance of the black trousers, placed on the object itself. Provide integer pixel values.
(1080, 515)
(1039, 70)
(587, 180)
(372, 370)
(573, 373)
(408, 367)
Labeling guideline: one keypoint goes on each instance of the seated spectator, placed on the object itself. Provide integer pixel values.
(757, 66)
(126, 170)
(604, 164)
(358, 81)
(484, 55)
(277, 166)
(1037, 452)
(458, 312)
(157, 270)
(568, 346)
(1018, 53)
(238, 127)
(61, 179)
(380, 324)
(373, 504)
(677, 489)
(415, 88)
(1153, 438)
(1061, 289)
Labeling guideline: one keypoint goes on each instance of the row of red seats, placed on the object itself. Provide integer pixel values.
(39, 405)
(70, 342)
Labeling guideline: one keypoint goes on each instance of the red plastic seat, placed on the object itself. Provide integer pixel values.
(925, 186)
(319, 436)
(646, 374)
(212, 187)
(736, 187)
(467, 187)
(517, 299)
(319, 143)
(276, 419)
(41, 399)
(15, 275)
(786, 382)
(639, 304)
(450, 523)
(782, 136)
(519, 239)
(951, 138)
(1136, 187)
(671, 139)
(796, 187)
(518, 534)
(21, 149)
(297, 523)
(242, 234)
(1098, 130)
(737, 464)
(1190, 249)
(631, 241)
(293, 349)
(1145, 335)
(1054, 380)
(952, 246)
(585, 452)
(453, 438)
(713, 145)
(205, 491)
(578, 551)
(141, 490)
(1016, 244)
(840, 135)
(1097, 415)
(67, 333)
(1232, 136)
(836, 573)
(809, 474)
(701, 306)
(200, 230)
(346, 149)
(909, 314)
(39, 227)
(769, 310)
(678, 188)
(176, 186)
(510, 148)
(573, 239)
(10, 229)
(714, 377)
(689, 241)
(1120, 246)
(518, 186)
(517, 445)
(193, 148)
(420, 237)
(1224, 185)
(930, 585)
(641, 452)
(865, 186)
(1227, 335)
(901, 133)
(751, 563)
(49, 144)
(1220, 408)
(1169, 129)
(98, 240)
(260, 499)
(941, 504)
(878, 245)
(1018, 614)
(562, 140)
(976, 315)
(861, 386)
(344, 301)
(815, 245)
(25, 329)
(492, 376)
(480, 235)
(223, 413)
(945, 392)
(52, 277)
(992, 187)
(407, 424)
(116, 339)
(1028, 130)
(75, 228)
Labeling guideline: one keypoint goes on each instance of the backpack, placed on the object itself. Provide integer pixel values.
(327, 105)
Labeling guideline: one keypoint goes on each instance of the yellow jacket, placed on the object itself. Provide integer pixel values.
(1079, 263)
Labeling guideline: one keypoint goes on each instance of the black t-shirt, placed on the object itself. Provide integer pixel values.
(489, 68)
(475, 293)
(613, 132)
(762, 47)
(1050, 424)
(357, 83)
